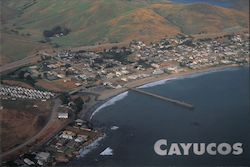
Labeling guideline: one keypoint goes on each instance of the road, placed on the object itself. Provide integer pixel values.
(53, 117)
(20, 63)
(33, 59)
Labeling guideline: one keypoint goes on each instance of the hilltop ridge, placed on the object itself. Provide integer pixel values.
(101, 21)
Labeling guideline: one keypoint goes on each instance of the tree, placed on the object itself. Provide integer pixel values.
(39, 76)
(79, 103)
(47, 33)
(31, 80)
(56, 30)
(21, 74)
(64, 97)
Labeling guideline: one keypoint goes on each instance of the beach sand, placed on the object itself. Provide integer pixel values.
(107, 94)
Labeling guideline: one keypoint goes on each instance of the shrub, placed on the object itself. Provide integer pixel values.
(57, 30)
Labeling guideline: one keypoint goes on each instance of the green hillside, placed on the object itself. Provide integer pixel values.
(196, 18)
(92, 21)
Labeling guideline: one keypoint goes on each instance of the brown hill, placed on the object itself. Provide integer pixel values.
(103, 21)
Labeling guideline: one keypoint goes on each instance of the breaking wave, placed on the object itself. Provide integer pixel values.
(110, 102)
(84, 151)
(152, 84)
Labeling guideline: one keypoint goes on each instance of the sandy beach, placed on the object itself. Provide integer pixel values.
(136, 83)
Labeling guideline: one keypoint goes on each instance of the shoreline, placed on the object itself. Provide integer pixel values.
(107, 95)
(210, 78)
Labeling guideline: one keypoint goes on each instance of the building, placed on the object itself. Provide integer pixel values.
(63, 115)
(28, 161)
(79, 122)
(81, 138)
(43, 156)
(67, 135)
(158, 72)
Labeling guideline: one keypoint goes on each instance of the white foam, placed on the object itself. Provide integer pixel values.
(107, 151)
(84, 151)
(152, 84)
(110, 102)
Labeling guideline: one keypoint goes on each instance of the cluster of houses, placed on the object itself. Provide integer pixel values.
(117, 66)
(15, 92)
(33, 159)
(182, 51)
(68, 139)
(64, 146)
(72, 138)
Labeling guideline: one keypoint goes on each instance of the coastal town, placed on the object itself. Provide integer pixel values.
(115, 67)
(86, 78)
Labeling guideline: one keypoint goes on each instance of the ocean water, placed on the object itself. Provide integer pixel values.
(221, 3)
(221, 115)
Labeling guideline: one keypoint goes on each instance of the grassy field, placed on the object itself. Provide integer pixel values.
(196, 18)
(15, 47)
(100, 21)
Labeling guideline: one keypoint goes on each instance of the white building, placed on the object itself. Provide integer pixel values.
(158, 72)
(43, 156)
(63, 115)
(67, 135)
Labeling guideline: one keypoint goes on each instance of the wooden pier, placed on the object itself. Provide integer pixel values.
(176, 102)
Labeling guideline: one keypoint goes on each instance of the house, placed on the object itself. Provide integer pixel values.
(81, 138)
(79, 122)
(28, 161)
(63, 115)
(67, 135)
(110, 75)
(155, 65)
(124, 79)
(132, 77)
(158, 72)
(43, 156)
(60, 76)
(78, 84)
(118, 74)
